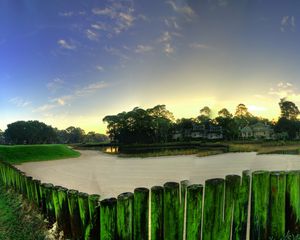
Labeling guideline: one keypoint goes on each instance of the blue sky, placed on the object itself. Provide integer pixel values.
(74, 62)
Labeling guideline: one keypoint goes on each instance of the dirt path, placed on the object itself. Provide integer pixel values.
(96, 172)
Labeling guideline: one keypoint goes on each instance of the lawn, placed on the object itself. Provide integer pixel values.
(18, 220)
(29, 153)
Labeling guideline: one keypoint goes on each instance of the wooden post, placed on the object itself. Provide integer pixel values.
(108, 219)
(157, 214)
(48, 188)
(240, 218)
(277, 204)
(83, 203)
(183, 186)
(62, 194)
(293, 202)
(171, 211)
(94, 212)
(232, 185)
(213, 209)
(75, 221)
(125, 216)
(141, 214)
(194, 211)
(260, 205)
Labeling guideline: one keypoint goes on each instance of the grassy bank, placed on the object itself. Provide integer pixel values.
(18, 220)
(29, 153)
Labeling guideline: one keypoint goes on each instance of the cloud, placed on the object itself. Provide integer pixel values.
(199, 46)
(66, 45)
(120, 14)
(168, 49)
(100, 68)
(171, 22)
(117, 52)
(166, 39)
(19, 102)
(66, 14)
(182, 8)
(285, 90)
(99, 26)
(287, 23)
(55, 84)
(143, 48)
(75, 94)
(91, 35)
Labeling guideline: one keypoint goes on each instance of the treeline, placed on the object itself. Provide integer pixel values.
(35, 132)
(158, 125)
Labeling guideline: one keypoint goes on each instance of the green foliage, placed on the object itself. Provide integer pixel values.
(288, 109)
(27, 153)
(288, 236)
(30, 132)
(140, 125)
(18, 221)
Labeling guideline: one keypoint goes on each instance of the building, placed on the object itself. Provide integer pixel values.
(257, 131)
(199, 132)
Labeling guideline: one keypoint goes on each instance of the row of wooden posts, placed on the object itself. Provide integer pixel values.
(174, 211)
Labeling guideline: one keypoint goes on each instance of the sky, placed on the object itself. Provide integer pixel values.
(71, 63)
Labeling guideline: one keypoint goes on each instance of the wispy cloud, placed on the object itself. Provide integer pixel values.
(288, 23)
(121, 15)
(100, 68)
(19, 102)
(99, 26)
(55, 84)
(143, 48)
(91, 35)
(183, 8)
(171, 22)
(66, 44)
(285, 90)
(166, 40)
(66, 14)
(75, 94)
(199, 46)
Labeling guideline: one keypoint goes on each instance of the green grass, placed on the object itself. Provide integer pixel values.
(18, 220)
(288, 236)
(29, 153)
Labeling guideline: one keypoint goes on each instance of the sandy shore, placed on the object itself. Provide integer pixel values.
(107, 175)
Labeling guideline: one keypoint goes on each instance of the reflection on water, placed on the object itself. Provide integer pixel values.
(111, 149)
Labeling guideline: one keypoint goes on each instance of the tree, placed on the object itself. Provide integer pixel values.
(242, 111)
(288, 109)
(205, 115)
(75, 134)
(224, 113)
(2, 140)
(30, 132)
(92, 137)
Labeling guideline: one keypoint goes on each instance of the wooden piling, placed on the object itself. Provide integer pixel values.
(232, 185)
(240, 218)
(83, 204)
(260, 205)
(94, 212)
(213, 209)
(75, 221)
(194, 201)
(141, 214)
(276, 227)
(172, 220)
(293, 202)
(108, 219)
(157, 214)
(125, 216)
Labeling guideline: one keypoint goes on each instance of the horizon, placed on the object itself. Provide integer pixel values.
(73, 64)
